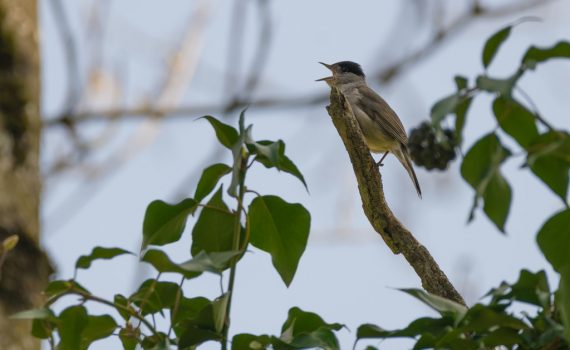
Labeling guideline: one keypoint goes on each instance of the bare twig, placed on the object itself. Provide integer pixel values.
(235, 49)
(190, 111)
(262, 52)
(385, 76)
(177, 77)
(73, 73)
(398, 238)
(458, 25)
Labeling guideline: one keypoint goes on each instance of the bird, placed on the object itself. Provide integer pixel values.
(382, 129)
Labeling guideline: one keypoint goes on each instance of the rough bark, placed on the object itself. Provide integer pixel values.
(25, 269)
(398, 238)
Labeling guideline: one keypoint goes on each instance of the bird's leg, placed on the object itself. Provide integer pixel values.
(381, 159)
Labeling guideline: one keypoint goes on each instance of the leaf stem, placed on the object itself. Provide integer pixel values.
(215, 208)
(90, 297)
(136, 315)
(235, 246)
(176, 305)
(148, 293)
(537, 115)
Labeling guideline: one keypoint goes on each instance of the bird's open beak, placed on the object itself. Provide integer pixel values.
(326, 78)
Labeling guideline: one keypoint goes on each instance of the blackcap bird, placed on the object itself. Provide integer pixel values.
(383, 131)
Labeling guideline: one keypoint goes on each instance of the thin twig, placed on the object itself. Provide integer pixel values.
(73, 73)
(90, 297)
(386, 75)
(235, 247)
(261, 55)
(217, 209)
(186, 111)
(235, 48)
(535, 111)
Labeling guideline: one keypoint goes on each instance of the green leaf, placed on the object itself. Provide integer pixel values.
(554, 240)
(444, 306)
(462, 107)
(219, 308)
(78, 330)
(564, 299)
(535, 55)
(444, 107)
(481, 318)
(98, 327)
(202, 325)
(426, 341)
(435, 326)
(497, 200)
(501, 86)
(515, 120)
(129, 337)
(43, 328)
(272, 155)
(549, 159)
(371, 331)
(209, 180)
(461, 82)
(240, 156)
(33, 314)
(84, 261)
(156, 342)
(246, 341)
(44, 321)
(226, 134)
(153, 296)
(456, 340)
(203, 262)
(460, 117)
(282, 230)
(121, 300)
(162, 263)
(162, 345)
(59, 287)
(493, 44)
(503, 336)
(164, 223)
(215, 262)
(73, 322)
(187, 309)
(530, 288)
(308, 330)
(214, 230)
(481, 169)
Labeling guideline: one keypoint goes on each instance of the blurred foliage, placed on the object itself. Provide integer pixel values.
(222, 235)
(486, 325)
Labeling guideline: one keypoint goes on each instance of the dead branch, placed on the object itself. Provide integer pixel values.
(398, 238)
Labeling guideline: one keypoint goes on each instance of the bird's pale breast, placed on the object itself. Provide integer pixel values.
(377, 139)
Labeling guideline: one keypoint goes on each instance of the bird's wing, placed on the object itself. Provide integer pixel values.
(375, 106)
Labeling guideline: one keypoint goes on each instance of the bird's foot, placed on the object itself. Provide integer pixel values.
(379, 164)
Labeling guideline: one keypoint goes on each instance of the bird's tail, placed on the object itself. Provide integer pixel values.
(404, 157)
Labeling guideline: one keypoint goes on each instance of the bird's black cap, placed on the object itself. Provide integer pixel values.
(350, 67)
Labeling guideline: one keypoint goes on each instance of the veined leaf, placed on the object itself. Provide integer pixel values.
(282, 230)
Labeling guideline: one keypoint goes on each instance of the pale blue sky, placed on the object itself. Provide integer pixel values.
(347, 271)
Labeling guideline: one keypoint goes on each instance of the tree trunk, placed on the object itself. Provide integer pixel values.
(25, 269)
